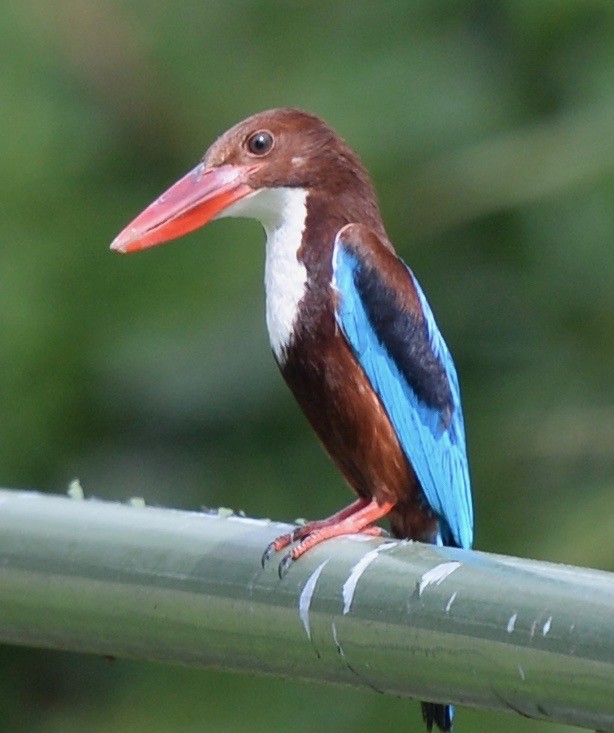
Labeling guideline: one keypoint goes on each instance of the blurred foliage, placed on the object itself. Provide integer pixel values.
(487, 127)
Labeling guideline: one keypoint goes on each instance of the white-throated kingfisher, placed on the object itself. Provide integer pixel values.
(350, 328)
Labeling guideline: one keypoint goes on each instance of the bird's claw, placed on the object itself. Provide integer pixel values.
(274, 547)
(266, 555)
(279, 544)
(284, 565)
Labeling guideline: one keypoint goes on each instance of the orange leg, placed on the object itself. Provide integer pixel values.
(355, 518)
(297, 534)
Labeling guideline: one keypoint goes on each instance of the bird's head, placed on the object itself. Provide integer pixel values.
(277, 149)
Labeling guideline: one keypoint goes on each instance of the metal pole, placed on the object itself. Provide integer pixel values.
(404, 618)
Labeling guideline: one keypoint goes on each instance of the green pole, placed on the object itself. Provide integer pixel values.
(403, 618)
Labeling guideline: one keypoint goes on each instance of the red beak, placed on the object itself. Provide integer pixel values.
(194, 200)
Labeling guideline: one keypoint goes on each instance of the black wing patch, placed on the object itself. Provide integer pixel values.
(405, 336)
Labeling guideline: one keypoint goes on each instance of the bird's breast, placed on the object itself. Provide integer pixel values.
(285, 276)
(347, 415)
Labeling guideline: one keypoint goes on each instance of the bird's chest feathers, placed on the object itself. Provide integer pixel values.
(285, 277)
(292, 288)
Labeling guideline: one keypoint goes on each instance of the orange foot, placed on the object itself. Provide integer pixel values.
(355, 518)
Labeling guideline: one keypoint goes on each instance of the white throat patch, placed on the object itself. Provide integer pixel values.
(282, 212)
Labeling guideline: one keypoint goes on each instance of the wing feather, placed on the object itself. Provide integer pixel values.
(405, 357)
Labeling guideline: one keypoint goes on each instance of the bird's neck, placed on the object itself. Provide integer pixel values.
(282, 212)
(285, 275)
(300, 226)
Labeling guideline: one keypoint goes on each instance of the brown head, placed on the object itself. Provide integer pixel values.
(276, 149)
(294, 149)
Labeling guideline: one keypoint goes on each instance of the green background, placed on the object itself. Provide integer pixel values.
(488, 128)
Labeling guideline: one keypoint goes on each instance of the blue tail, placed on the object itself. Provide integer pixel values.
(440, 715)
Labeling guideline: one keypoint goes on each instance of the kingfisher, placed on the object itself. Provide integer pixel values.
(349, 326)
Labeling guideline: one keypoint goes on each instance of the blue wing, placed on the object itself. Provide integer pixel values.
(402, 352)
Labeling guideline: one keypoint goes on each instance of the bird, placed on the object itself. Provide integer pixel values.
(349, 326)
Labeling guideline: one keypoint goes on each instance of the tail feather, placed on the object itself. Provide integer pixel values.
(440, 715)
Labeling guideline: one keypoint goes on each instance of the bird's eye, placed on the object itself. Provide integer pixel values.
(260, 143)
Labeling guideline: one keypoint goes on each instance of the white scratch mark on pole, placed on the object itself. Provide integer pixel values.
(304, 601)
(511, 623)
(547, 626)
(451, 601)
(436, 575)
(521, 672)
(349, 587)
